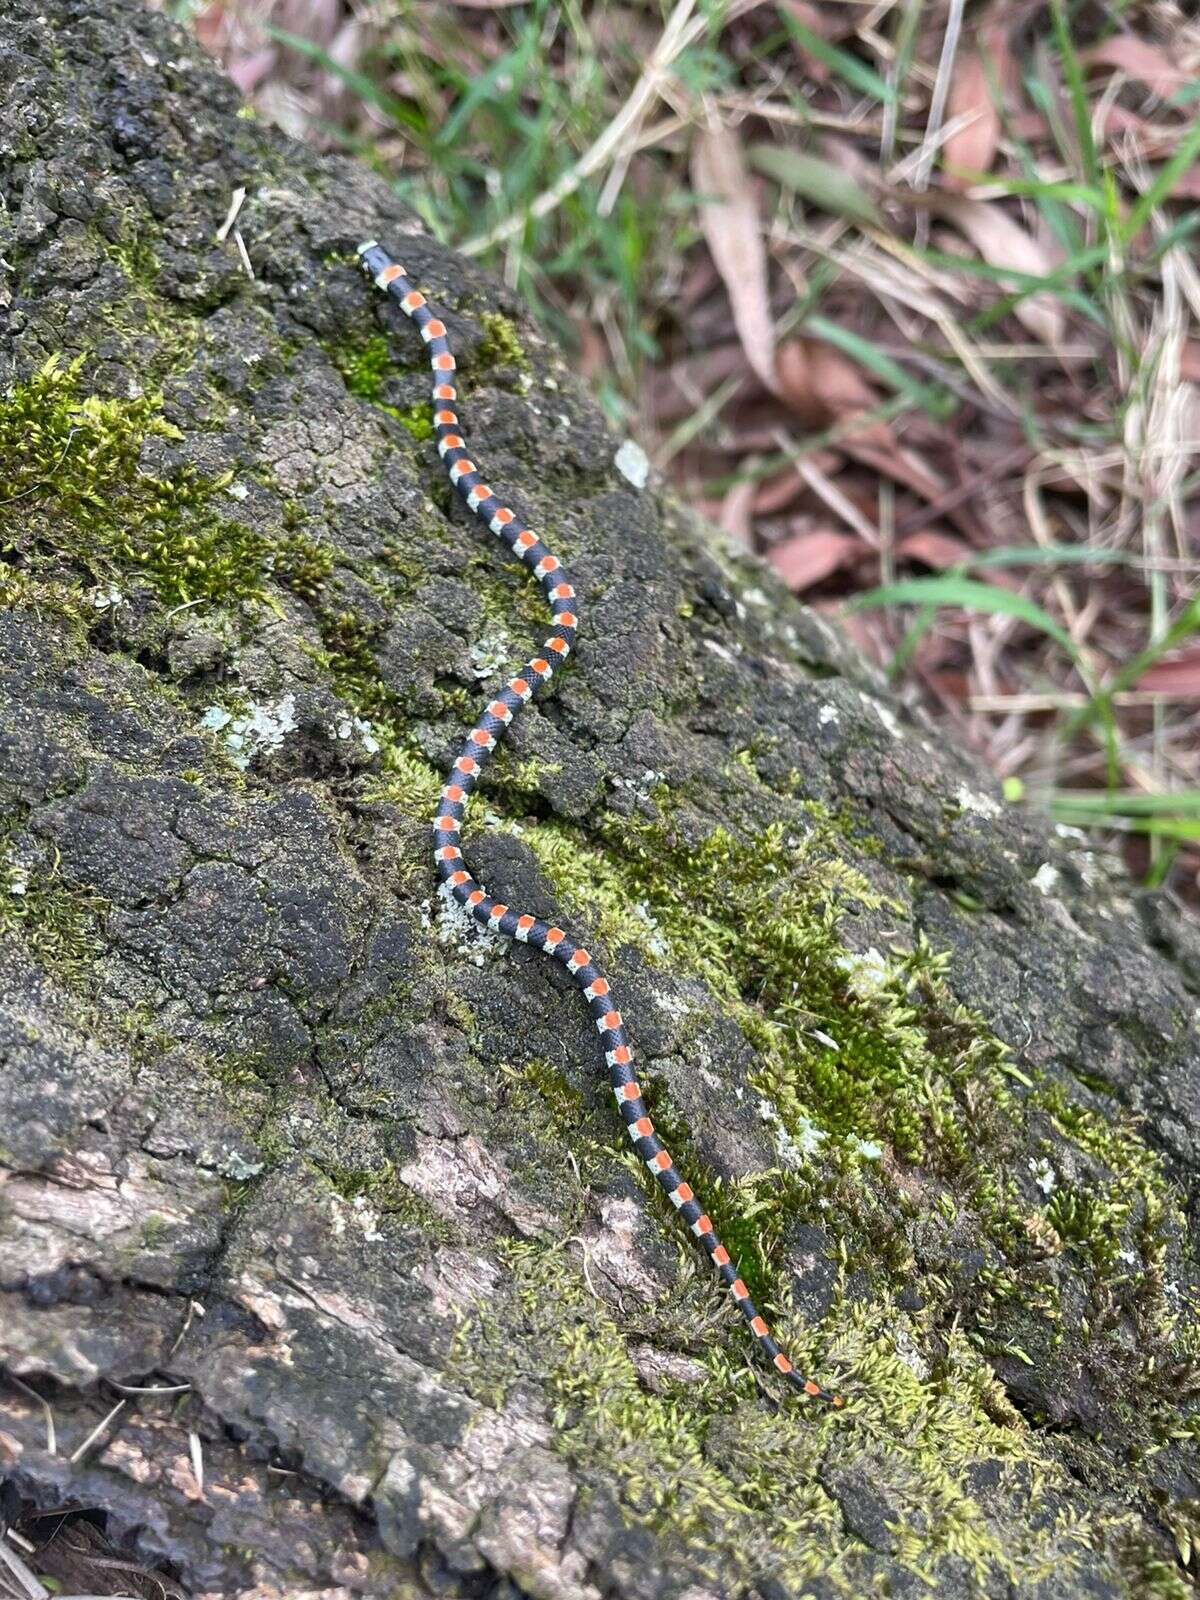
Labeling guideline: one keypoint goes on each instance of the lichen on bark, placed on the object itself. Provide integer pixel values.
(280, 1126)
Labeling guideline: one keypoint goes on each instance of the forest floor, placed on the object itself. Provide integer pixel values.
(903, 294)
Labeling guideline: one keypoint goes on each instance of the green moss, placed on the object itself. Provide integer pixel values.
(61, 924)
(551, 1111)
(501, 343)
(154, 1230)
(417, 419)
(381, 1189)
(705, 1465)
(136, 258)
(301, 564)
(518, 782)
(758, 920)
(857, 1058)
(409, 782)
(77, 493)
(364, 365)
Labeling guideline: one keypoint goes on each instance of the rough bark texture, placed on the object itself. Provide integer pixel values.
(277, 1125)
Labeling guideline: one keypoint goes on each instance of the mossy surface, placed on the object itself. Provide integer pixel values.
(501, 343)
(365, 365)
(78, 492)
(350, 1163)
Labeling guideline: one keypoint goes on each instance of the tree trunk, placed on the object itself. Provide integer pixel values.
(282, 1132)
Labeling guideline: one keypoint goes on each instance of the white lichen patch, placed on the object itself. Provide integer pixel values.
(982, 805)
(236, 1164)
(672, 1005)
(16, 877)
(489, 654)
(348, 727)
(793, 1149)
(866, 1148)
(632, 462)
(1044, 1175)
(357, 1214)
(654, 942)
(826, 715)
(641, 787)
(911, 1356)
(867, 973)
(1046, 878)
(493, 819)
(261, 727)
(458, 930)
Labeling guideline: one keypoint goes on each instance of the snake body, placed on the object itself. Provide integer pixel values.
(465, 774)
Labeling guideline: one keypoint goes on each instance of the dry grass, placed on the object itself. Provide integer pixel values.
(904, 294)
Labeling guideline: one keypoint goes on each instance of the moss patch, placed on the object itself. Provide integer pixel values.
(865, 1064)
(501, 343)
(77, 491)
(365, 365)
(747, 1488)
(62, 925)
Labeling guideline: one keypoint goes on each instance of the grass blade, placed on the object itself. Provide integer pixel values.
(1077, 90)
(356, 82)
(855, 72)
(1181, 630)
(968, 595)
(937, 402)
(817, 180)
(1165, 180)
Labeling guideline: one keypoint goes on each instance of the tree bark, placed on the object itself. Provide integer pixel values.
(282, 1133)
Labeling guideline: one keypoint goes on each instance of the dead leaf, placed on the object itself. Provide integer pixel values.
(820, 384)
(729, 220)
(777, 493)
(1137, 59)
(936, 550)
(249, 71)
(809, 558)
(209, 27)
(1180, 675)
(905, 466)
(736, 516)
(824, 387)
(676, 392)
(982, 76)
(1002, 242)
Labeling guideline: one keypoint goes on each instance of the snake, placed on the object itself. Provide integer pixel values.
(468, 766)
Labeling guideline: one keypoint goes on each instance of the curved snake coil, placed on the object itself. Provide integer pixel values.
(464, 775)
